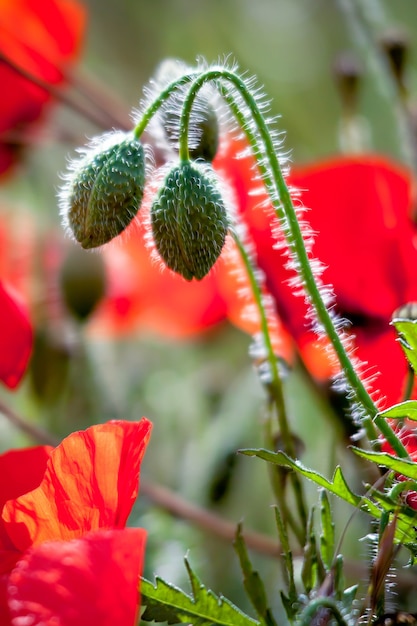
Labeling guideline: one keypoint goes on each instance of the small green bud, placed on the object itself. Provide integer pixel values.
(104, 190)
(204, 129)
(82, 281)
(189, 220)
(204, 123)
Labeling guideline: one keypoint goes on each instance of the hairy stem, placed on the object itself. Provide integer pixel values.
(282, 202)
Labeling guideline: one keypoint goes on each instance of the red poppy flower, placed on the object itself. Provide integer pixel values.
(15, 337)
(41, 38)
(65, 554)
(360, 211)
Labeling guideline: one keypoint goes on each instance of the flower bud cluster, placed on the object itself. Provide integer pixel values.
(104, 190)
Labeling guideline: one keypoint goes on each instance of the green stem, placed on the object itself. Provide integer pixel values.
(276, 186)
(309, 613)
(276, 391)
(159, 100)
(409, 384)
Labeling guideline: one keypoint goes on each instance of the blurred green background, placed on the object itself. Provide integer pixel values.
(203, 396)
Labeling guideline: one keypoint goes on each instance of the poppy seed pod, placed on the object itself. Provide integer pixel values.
(104, 191)
(189, 220)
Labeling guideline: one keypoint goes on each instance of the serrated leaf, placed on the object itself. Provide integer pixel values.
(406, 533)
(327, 530)
(403, 410)
(337, 485)
(166, 603)
(400, 466)
(407, 331)
(252, 581)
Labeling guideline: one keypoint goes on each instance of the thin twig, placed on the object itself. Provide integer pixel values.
(35, 432)
(206, 520)
(88, 112)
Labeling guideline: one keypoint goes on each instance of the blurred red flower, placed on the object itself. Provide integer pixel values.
(41, 38)
(65, 554)
(142, 296)
(360, 209)
(16, 337)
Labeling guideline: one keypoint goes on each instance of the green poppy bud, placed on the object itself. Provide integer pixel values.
(82, 281)
(104, 190)
(189, 220)
(204, 124)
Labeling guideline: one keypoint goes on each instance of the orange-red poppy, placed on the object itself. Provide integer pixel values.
(65, 554)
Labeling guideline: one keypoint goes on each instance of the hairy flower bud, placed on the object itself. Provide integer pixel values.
(189, 220)
(104, 190)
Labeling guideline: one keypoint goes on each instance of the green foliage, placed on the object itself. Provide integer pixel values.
(253, 584)
(405, 467)
(376, 506)
(327, 531)
(166, 603)
(404, 410)
(290, 601)
(407, 331)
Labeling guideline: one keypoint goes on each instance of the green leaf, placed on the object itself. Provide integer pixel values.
(400, 466)
(289, 602)
(327, 530)
(166, 603)
(337, 485)
(312, 572)
(252, 581)
(406, 523)
(407, 331)
(403, 410)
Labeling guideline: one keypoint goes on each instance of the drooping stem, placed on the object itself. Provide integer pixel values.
(282, 202)
(156, 104)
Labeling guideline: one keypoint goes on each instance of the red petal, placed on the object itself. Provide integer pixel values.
(89, 581)
(21, 471)
(91, 482)
(47, 38)
(15, 338)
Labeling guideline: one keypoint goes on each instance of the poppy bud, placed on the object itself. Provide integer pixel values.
(395, 44)
(204, 129)
(104, 190)
(204, 124)
(189, 220)
(82, 282)
(347, 75)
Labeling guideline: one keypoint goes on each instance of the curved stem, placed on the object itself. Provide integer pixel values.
(159, 100)
(282, 203)
(309, 616)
